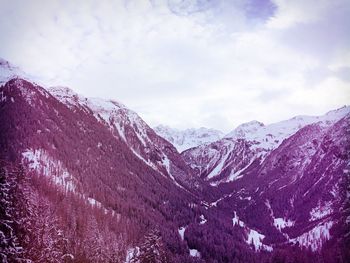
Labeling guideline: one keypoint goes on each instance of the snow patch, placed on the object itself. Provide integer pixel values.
(182, 232)
(220, 199)
(185, 139)
(131, 253)
(315, 237)
(195, 253)
(236, 175)
(255, 238)
(237, 221)
(218, 167)
(41, 162)
(93, 202)
(2, 97)
(281, 223)
(321, 211)
(203, 220)
(166, 163)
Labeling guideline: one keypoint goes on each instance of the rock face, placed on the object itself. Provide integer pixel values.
(188, 138)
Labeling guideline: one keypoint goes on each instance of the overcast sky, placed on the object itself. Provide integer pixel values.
(188, 63)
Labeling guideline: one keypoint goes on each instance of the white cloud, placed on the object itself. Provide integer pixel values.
(342, 60)
(189, 65)
(290, 13)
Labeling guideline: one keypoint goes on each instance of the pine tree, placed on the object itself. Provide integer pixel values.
(9, 247)
(152, 249)
(34, 221)
(93, 241)
(8, 240)
(47, 242)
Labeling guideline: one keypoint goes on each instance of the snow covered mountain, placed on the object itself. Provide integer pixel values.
(271, 136)
(227, 159)
(9, 71)
(126, 125)
(287, 183)
(189, 138)
(125, 181)
(300, 189)
(92, 174)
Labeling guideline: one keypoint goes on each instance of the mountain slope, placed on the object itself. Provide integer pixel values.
(283, 185)
(80, 156)
(127, 126)
(299, 193)
(227, 159)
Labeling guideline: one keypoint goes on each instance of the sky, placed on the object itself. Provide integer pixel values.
(188, 63)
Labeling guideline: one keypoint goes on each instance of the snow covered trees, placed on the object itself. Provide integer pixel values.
(10, 250)
(46, 240)
(28, 227)
(152, 249)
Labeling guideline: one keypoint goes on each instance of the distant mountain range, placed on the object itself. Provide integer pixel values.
(87, 180)
(189, 138)
(251, 142)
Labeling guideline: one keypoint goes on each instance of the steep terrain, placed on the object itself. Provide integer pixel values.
(128, 127)
(80, 155)
(283, 184)
(299, 193)
(8, 71)
(227, 159)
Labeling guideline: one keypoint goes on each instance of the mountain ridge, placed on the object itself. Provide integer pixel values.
(213, 158)
(188, 138)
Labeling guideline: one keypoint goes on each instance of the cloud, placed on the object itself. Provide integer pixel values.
(295, 12)
(187, 63)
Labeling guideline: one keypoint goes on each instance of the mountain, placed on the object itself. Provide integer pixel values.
(87, 180)
(126, 125)
(90, 177)
(226, 160)
(189, 138)
(9, 71)
(298, 194)
(282, 184)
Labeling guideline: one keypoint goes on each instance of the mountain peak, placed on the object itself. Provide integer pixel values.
(63, 91)
(342, 111)
(4, 63)
(250, 126)
(9, 71)
(189, 138)
(245, 128)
